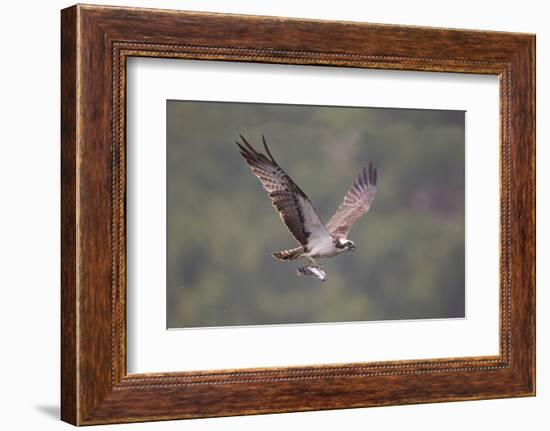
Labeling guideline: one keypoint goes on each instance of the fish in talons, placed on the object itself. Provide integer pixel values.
(313, 270)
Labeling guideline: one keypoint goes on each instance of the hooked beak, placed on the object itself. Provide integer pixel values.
(352, 247)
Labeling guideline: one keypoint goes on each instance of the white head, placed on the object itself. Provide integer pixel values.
(344, 244)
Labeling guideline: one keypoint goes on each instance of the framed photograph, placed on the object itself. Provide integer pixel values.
(264, 214)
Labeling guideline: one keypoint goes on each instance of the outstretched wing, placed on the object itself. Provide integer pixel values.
(356, 202)
(293, 204)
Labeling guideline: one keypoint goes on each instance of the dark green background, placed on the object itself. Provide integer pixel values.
(221, 227)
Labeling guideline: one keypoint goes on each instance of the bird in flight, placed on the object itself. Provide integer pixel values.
(317, 240)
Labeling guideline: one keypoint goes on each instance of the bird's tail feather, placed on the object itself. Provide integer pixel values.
(292, 254)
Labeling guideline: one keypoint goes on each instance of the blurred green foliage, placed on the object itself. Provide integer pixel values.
(221, 227)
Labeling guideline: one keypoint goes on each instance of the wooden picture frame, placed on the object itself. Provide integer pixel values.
(95, 43)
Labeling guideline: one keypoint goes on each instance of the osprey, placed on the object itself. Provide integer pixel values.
(295, 209)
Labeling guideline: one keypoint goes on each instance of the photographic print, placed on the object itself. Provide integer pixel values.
(197, 154)
(358, 214)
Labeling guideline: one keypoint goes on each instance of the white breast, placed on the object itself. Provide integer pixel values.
(322, 247)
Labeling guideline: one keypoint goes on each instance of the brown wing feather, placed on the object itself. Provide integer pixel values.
(293, 205)
(356, 202)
